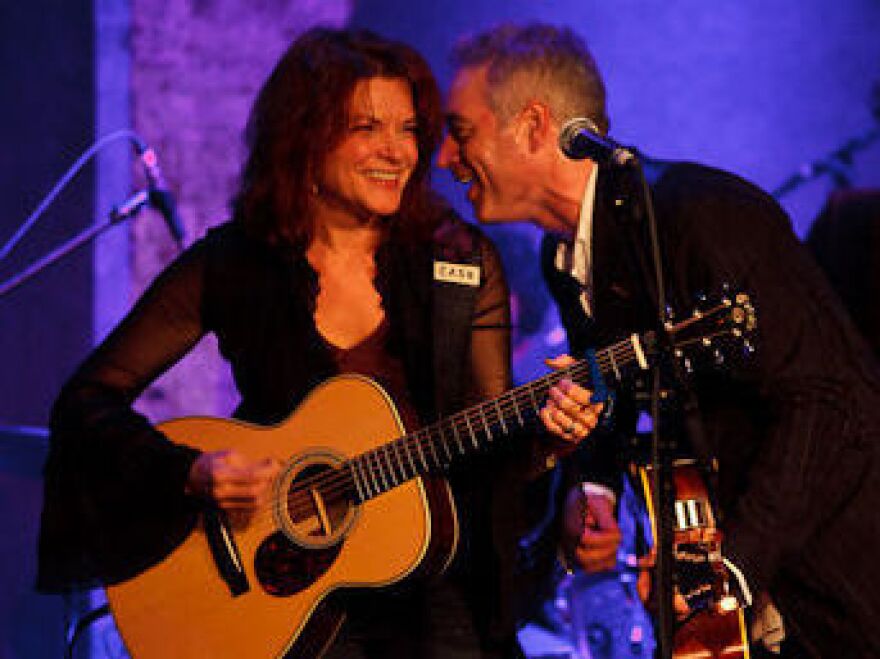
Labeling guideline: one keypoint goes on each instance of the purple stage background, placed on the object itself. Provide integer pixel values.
(758, 88)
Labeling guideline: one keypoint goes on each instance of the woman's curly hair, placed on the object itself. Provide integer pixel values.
(301, 114)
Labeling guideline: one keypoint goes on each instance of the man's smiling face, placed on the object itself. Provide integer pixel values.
(481, 152)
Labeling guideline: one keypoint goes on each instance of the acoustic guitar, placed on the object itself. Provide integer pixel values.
(357, 505)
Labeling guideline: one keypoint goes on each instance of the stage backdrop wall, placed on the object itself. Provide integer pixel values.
(46, 118)
(182, 73)
(757, 88)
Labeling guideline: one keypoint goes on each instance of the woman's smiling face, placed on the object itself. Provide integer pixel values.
(366, 173)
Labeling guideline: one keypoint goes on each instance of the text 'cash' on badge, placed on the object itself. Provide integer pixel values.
(457, 273)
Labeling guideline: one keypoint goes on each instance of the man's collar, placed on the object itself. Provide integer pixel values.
(575, 257)
(565, 258)
(588, 203)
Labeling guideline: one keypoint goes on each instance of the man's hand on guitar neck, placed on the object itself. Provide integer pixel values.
(235, 484)
(569, 413)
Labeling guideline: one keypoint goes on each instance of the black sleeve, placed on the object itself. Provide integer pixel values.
(808, 378)
(113, 483)
(490, 331)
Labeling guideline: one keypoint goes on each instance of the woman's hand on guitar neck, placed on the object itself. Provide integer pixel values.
(235, 484)
(569, 413)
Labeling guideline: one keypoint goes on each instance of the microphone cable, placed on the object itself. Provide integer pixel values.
(72, 171)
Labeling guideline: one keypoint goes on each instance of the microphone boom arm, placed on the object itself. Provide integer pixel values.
(124, 211)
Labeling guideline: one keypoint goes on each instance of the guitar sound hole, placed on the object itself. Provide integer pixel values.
(318, 504)
(283, 569)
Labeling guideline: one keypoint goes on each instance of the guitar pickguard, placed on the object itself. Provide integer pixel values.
(315, 510)
(283, 569)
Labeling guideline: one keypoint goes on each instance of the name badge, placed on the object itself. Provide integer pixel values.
(457, 273)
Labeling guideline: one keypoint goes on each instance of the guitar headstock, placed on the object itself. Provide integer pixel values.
(714, 326)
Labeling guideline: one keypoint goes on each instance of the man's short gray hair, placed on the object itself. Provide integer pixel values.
(536, 62)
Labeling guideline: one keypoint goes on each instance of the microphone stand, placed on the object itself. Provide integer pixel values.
(124, 211)
(663, 486)
(835, 164)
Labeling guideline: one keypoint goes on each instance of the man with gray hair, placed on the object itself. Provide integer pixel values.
(794, 429)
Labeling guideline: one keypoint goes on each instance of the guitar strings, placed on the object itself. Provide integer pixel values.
(258, 521)
(456, 422)
(335, 484)
(339, 482)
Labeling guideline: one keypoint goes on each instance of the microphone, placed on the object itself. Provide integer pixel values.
(160, 196)
(580, 139)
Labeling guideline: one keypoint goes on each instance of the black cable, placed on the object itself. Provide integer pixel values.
(661, 460)
(75, 631)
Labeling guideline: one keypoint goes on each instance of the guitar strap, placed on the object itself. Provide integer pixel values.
(602, 393)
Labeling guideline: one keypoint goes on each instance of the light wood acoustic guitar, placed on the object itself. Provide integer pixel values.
(359, 504)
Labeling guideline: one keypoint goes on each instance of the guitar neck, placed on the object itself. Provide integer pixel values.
(435, 447)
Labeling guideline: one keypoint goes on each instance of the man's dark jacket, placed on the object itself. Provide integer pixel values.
(795, 428)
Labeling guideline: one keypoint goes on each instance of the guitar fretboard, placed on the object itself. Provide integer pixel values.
(435, 447)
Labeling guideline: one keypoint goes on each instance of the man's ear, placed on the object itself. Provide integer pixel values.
(535, 126)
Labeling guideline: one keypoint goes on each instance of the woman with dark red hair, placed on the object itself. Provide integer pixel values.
(338, 259)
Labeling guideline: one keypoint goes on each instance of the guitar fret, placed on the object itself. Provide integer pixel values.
(444, 443)
(376, 487)
(433, 447)
(501, 417)
(614, 365)
(519, 416)
(457, 439)
(356, 479)
(486, 423)
(421, 453)
(381, 472)
(408, 451)
(471, 431)
(401, 465)
(392, 475)
(532, 397)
